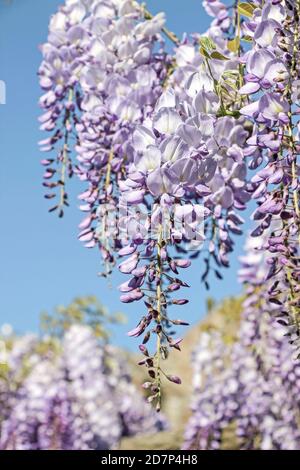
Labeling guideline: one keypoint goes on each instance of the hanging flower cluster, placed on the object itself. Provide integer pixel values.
(81, 398)
(251, 386)
(164, 142)
(271, 82)
(111, 62)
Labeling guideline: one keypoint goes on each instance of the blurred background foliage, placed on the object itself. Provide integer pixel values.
(224, 318)
(83, 311)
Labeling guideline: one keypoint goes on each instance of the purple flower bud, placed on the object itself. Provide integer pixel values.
(127, 250)
(180, 301)
(138, 330)
(132, 296)
(130, 264)
(183, 263)
(147, 385)
(173, 266)
(144, 350)
(180, 322)
(140, 271)
(86, 222)
(173, 287)
(174, 379)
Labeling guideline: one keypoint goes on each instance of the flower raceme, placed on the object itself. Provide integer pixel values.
(154, 130)
(252, 385)
(270, 81)
(77, 398)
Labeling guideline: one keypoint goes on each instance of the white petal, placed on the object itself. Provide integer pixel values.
(149, 161)
(166, 100)
(166, 121)
(142, 138)
(249, 88)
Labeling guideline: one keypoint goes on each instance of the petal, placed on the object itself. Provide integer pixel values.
(155, 182)
(142, 138)
(149, 161)
(166, 121)
(249, 88)
(173, 148)
(250, 110)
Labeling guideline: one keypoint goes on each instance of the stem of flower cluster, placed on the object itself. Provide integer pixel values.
(65, 157)
(158, 308)
(290, 124)
(108, 169)
(294, 70)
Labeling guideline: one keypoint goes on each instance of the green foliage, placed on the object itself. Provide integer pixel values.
(218, 56)
(207, 44)
(224, 318)
(233, 45)
(210, 304)
(246, 9)
(83, 310)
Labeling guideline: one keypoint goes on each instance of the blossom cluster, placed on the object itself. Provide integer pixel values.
(204, 128)
(77, 396)
(252, 385)
(271, 83)
(103, 70)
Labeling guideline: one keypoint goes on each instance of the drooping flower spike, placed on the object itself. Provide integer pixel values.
(163, 142)
(271, 82)
(77, 397)
(247, 390)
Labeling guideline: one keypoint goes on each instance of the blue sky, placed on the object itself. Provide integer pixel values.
(42, 263)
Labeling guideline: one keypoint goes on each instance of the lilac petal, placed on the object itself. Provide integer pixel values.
(173, 148)
(249, 88)
(257, 61)
(166, 121)
(271, 106)
(276, 71)
(127, 250)
(149, 161)
(250, 109)
(134, 197)
(265, 33)
(132, 296)
(155, 182)
(190, 134)
(226, 197)
(203, 190)
(142, 138)
(130, 264)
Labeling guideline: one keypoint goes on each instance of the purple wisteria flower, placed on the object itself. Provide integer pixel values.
(79, 399)
(252, 385)
(164, 143)
(272, 72)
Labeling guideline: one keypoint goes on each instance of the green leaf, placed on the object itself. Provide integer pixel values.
(230, 74)
(204, 52)
(207, 44)
(217, 55)
(3, 369)
(233, 45)
(246, 9)
(247, 38)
